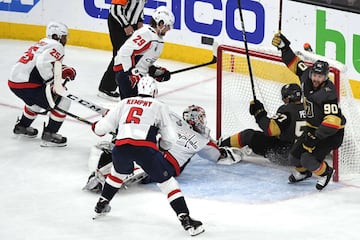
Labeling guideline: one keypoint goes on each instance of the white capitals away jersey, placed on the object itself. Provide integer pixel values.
(141, 50)
(139, 120)
(41, 55)
(188, 143)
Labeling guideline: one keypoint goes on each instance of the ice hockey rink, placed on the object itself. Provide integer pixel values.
(41, 188)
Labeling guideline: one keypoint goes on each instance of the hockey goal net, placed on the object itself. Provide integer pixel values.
(234, 92)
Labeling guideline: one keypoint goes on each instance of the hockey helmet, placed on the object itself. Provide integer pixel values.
(147, 86)
(57, 28)
(320, 67)
(291, 91)
(162, 13)
(196, 117)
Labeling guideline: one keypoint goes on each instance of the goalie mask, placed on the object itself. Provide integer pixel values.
(292, 92)
(196, 117)
(147, 86)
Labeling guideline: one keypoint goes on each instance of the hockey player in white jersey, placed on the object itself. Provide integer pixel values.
(137, 56)
(31, 79)
(193, 138)
(139, 120)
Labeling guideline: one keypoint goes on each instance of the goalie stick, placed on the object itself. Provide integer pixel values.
(213, 60)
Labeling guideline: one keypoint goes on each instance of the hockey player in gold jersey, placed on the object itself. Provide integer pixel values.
(325, 122)
(278, 132)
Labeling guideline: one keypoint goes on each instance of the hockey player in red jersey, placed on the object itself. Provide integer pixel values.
(278, 132)
(137, 56)
(324, 120)
(193, 138)
(139, 120)
(31, 79)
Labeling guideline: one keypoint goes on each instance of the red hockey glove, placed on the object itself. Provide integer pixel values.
(134, 76)
(68, 72)
(160, 74)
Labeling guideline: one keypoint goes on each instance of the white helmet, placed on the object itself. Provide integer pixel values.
(147, 86)
(196, 117)
(57, 28)
(162, 13)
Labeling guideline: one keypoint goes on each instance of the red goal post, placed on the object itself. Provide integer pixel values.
(234, 88)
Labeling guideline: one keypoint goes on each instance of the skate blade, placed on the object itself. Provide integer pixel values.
(99, 215)
(197, 231)
(50, 144)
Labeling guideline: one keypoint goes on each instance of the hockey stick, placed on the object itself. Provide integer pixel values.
(79, 118)
(246, 50)
(213, 60)
(280, 15)
(74, 116)
(59, 88)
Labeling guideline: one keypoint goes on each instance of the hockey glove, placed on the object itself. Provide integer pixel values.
(68, 72)
(134, 76)
(280, 41)
(228, 156)
(257, 109)
(310, 142)
(93, 126)
(161, 74)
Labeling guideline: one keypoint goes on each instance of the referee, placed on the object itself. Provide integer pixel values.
(124, 18)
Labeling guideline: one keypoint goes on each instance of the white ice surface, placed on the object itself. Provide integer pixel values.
(41, 196)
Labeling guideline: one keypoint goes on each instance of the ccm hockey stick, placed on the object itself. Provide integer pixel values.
(62, 91)
(213, 60)
(247, 50)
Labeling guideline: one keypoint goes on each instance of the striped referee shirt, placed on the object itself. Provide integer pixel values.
(128, 12)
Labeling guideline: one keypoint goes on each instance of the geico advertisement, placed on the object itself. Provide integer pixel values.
(331, 32)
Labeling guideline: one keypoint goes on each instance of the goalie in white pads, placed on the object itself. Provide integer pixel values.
(139, 120)
(278, 132)
(31, 79)
(192, 139)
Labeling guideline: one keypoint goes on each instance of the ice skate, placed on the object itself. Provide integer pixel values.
(49, 139)
(299, 176)
(25, 131)
(102, 208)
(193, 227)
(109, 95)
(324, 178)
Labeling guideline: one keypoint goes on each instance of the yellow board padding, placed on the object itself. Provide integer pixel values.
(172, 51)
(355, 87)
